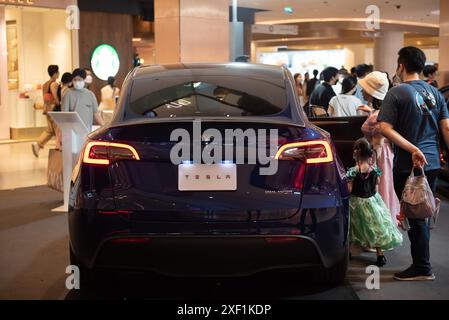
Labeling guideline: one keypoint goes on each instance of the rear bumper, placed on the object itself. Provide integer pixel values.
(208, 255)
(313, 238)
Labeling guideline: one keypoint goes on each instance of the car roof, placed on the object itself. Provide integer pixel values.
(272, 74)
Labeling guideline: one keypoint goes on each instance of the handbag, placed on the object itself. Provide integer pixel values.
(54, 171)
(418, 201)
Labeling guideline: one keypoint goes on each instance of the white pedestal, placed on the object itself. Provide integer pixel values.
(24, 113)
(73, 132)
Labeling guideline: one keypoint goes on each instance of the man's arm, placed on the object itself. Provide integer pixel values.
(418, 158)
(98, 119)
(444, 128)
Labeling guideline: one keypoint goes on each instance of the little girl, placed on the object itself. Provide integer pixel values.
(371, 225)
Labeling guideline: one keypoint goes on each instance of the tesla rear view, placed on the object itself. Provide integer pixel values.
(145, 195)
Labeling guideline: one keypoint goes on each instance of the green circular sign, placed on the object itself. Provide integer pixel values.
(105, 61)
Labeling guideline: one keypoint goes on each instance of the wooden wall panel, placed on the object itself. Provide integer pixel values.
(110, 28)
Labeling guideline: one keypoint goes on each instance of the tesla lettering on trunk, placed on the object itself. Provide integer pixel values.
(250, 142)
(208, 177)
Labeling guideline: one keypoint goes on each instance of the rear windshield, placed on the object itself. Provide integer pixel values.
(208, 96)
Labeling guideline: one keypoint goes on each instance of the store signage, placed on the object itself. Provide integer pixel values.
(26, 2)
(105, 62)
(60, 4)
(275, 29)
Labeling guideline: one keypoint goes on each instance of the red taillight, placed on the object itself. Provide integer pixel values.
(298, 183)
(103, 153)
(318, 151)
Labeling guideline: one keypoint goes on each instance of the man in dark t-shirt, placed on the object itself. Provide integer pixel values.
(413, 116)
(312, 83)
(323, 93)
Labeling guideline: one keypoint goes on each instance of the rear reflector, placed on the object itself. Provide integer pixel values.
(119, 212)
(132, 240)
(318, 151)
(282, 239)
(103, 153)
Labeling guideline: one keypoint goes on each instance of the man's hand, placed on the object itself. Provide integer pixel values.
(419, 159)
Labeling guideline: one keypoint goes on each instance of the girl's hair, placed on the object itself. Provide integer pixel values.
(348, 84)
(362, 149)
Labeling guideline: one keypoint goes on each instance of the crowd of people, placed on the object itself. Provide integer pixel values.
(407, 120)
(73, 93)
(341, 93)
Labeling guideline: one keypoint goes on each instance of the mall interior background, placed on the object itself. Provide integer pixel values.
(34, 35)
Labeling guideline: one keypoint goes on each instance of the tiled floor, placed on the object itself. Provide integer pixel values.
(19, 168)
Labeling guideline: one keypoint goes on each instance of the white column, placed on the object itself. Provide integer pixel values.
(191, 31)
(355, 55)
(386, 51)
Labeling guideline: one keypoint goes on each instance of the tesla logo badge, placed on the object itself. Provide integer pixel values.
(208, 177)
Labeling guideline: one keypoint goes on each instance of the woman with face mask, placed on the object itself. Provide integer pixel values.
(81, 100)
(89, 78)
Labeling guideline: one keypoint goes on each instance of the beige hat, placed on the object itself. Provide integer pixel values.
(375, 84)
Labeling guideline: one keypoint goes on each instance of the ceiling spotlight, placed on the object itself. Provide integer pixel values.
(288, 10)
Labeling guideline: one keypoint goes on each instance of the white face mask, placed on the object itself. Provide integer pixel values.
(78, 85)
(89, 79)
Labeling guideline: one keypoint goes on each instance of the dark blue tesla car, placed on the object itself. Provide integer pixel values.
(137, 203)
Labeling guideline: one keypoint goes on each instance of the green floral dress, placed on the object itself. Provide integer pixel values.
(371, 225)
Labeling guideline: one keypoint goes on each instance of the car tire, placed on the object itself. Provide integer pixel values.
(336, 274)
(87, 278)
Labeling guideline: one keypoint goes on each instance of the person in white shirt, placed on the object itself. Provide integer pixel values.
(82, 101)
(345, 104)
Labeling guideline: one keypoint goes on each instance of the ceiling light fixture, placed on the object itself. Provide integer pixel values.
(288, 10)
